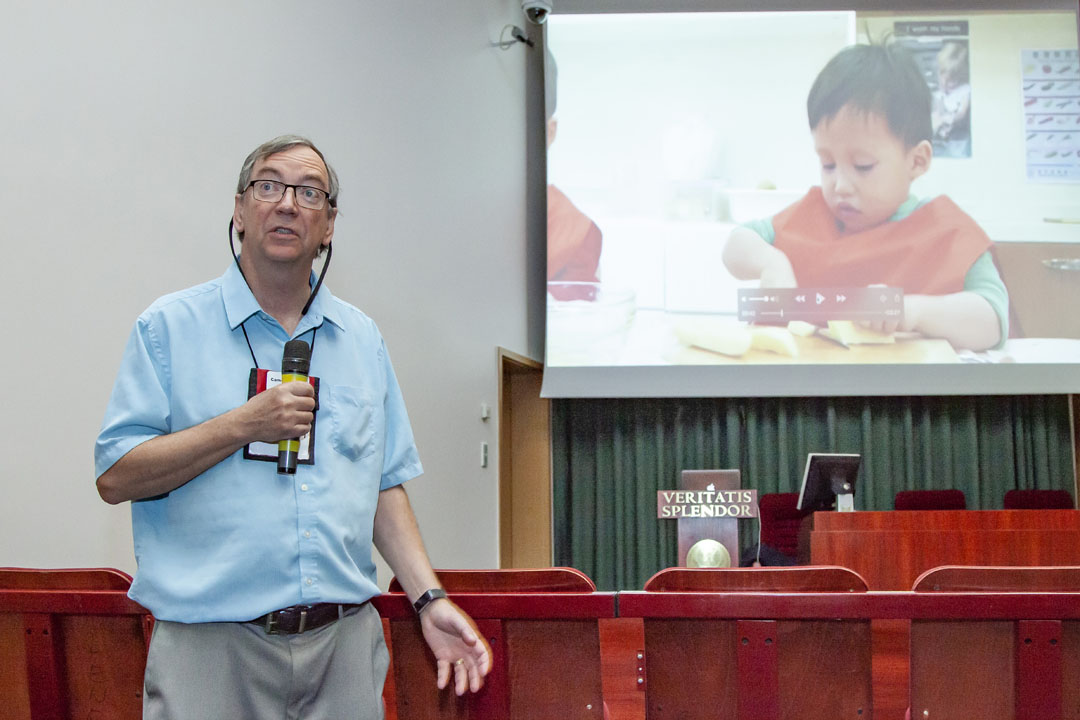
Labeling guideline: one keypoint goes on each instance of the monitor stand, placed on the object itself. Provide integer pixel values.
(845, 493)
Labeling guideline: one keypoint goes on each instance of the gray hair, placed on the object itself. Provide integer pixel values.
(281, 144)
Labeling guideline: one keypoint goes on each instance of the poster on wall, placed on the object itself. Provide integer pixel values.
(1051, 97)
(941, 52)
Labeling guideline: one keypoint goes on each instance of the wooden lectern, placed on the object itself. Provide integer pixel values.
(724, 530)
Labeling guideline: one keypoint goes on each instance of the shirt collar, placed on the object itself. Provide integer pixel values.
(906, 208)
(240, 303)
(323, 307)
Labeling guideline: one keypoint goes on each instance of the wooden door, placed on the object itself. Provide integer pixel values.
(524, 465)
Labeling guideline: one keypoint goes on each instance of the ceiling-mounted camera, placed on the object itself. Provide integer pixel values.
(536, 11)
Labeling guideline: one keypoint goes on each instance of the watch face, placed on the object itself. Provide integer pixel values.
(426, 599)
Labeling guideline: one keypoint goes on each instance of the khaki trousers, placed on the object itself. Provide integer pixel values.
(235, 671)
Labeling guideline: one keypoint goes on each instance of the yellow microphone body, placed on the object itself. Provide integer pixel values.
(295, 364)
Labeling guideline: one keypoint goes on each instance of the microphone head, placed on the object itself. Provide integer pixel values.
(297, 358)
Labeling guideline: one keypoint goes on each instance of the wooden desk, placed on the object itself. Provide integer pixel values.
(1035, 286)
(891, 549)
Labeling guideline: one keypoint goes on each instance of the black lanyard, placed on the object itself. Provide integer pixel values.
(255, 363)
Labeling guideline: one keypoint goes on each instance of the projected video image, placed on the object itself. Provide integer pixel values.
(828, 188)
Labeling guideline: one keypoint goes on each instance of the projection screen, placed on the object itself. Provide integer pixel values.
(671, 135)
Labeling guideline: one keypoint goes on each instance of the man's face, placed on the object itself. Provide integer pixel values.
(283, 231)
(866, 171)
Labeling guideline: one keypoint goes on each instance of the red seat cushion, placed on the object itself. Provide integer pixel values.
(780, 521)
(930, 500)
(1038, 500)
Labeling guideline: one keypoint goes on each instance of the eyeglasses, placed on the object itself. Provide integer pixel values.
(272, 191)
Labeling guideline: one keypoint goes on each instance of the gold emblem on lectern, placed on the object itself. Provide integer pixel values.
(708, 553)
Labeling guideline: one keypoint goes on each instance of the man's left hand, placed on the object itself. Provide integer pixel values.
(457, 645)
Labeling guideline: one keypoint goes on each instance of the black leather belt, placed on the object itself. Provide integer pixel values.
(301, 618)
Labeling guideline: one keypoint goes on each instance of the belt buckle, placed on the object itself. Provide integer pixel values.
(271, 626)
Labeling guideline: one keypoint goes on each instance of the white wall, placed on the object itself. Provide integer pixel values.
(125, 124)
(1011, 207)
(650, 105)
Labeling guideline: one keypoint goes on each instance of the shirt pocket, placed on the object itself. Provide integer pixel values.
(352, 422)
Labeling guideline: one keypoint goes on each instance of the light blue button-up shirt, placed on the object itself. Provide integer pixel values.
(240, 540)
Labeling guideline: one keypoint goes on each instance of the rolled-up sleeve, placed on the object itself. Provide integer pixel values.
(983, 279)
(139, 407)
(401, 461)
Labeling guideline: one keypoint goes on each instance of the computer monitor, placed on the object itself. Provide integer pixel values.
(828, 480)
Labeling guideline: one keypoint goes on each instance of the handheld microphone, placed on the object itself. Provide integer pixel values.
(295, 364)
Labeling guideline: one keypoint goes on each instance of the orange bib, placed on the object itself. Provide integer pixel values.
(928, 252)
(573, 242)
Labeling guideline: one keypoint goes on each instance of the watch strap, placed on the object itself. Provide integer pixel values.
(427, 598)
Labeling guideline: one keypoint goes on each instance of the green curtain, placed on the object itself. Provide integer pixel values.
(609, 458)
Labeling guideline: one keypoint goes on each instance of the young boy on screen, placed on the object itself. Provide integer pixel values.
(869, 113)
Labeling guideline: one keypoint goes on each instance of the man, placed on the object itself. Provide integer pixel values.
(259, 580)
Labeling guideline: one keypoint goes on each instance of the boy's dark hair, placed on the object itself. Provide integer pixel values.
(880, 79)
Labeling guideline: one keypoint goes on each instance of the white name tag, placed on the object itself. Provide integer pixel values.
(259, 381)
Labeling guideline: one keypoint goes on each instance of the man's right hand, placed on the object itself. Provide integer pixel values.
(279, 413)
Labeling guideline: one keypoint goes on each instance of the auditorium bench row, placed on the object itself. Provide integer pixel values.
(758, 643)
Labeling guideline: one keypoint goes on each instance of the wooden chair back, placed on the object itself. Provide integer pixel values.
(514, 580)
(975, 578)
(71, 644)
(1021, 664)
(705, 659)
(764, 579)
(543, 628)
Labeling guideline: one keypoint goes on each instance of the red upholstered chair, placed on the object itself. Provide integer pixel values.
(1038, 500)
(930, 500)
(780, 521)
